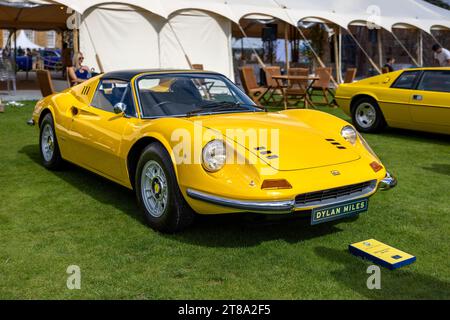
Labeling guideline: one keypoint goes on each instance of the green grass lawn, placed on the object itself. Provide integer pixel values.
(50, 220)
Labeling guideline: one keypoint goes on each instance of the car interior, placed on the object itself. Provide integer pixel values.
(181, 97)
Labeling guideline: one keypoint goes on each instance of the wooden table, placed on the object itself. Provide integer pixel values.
(304, 83)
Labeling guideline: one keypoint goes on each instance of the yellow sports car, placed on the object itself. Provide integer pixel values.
(192, 142)
(417, 99)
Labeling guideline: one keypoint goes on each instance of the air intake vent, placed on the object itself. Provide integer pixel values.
(337, 194)
(336, 144)
(86, 90)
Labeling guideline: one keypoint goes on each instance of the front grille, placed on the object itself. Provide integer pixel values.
(336, 194)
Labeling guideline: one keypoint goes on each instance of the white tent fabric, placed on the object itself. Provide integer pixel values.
(127, 37)
(158, 33)
(388, 13)
(25, 43)
(122, 36)
(192, 31)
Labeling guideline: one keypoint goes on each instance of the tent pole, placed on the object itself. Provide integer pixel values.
(340, 52)
(286, 46)
(336, 54)
(180, 44)
(377, 68)
(406, 50)
(15, 51)
(435, 39)
(75, 40)
(260, 61)
(380, 46)
(420, 48)
(305, 39)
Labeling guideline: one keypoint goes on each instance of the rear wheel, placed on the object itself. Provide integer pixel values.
(48, 144)
(158, 194)
(367, 116)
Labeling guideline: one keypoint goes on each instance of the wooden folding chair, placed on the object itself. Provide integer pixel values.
(323, 85)
(250, 84)
(298, 72)
(350, 75)
(197, 67)
(45, 82)
(272, 84)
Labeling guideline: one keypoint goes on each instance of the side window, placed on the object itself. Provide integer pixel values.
(111, 92)
(407, 80)
(438, 81)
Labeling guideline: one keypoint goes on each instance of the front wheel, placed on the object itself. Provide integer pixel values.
(367, 116)
(158, 194)
(48, 144)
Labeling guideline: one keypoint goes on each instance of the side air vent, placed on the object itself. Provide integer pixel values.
(86, 90)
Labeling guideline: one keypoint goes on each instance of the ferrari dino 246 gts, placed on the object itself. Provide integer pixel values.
(192, 142)
(417, 99)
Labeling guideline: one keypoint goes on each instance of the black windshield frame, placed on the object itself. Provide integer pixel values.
(236, 91)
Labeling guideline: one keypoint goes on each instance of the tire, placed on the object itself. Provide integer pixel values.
(367, 116)
(48, 144)
(159, 196)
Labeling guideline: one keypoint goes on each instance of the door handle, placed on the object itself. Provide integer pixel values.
(417, 97)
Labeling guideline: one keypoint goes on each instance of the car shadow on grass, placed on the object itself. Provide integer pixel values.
(99, 188)
(440, 168)
(236, 230)
(245, 230)
(395, 285)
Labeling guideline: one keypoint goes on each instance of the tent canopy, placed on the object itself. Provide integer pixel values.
(25, 43)
(385, 13)
(178, 33)
(36, 15)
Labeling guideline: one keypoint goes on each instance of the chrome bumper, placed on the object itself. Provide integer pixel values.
(388, 183)
(285, 206)
(250, 206)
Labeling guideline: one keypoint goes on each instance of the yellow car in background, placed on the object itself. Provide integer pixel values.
(192, 142)
(417, 99)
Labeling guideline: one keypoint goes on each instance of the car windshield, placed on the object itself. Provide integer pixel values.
(190, 94)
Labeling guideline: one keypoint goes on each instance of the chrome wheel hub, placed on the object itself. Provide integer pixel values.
(47, 142)
(154, 189)
(366, 115)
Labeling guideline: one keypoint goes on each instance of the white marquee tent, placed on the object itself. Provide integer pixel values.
(174, 33)
(25, 43)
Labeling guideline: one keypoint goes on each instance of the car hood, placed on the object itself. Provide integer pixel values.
(300, 145)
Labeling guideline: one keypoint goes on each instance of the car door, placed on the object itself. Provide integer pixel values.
(395, 100)
(430, 103)
(96, 131)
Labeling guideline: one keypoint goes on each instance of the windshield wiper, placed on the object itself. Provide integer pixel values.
(218, 106)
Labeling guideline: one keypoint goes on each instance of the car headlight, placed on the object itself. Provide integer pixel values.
(368, 148)
(214, 156)
(349, 134)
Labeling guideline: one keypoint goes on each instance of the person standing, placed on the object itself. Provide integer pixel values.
(390, 64)
(441, 55)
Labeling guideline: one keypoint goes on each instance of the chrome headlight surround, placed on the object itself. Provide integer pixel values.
(349, 134)
(368, 148)
(214, 156)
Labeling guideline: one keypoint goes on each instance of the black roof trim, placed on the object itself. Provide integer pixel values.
(127, 75)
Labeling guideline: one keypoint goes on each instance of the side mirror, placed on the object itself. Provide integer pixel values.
(120, 108)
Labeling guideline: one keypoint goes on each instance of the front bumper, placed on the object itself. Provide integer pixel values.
(284, 206)
(388, 183)
(31, 122)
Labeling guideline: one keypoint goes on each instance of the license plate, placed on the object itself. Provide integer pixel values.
(339, 211)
